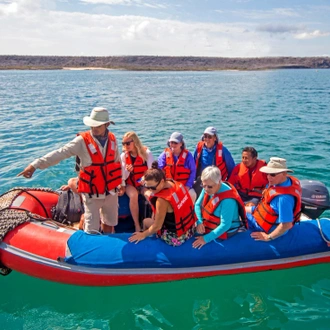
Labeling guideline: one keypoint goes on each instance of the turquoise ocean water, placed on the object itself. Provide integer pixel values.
(281, 113)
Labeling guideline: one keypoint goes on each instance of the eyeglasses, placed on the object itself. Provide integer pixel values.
(173, 142)
(206, 186)
(127, 143)
(152, 188)
(208, 136)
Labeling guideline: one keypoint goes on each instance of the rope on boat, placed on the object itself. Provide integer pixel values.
(321, 232)
(10, 218)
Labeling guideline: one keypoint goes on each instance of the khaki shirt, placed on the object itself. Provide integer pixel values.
(76, 147)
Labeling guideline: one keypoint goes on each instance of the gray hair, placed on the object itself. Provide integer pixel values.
(213, 173)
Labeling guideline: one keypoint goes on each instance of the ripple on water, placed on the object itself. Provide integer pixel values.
(282, 113)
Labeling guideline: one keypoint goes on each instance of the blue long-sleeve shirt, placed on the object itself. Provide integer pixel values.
(189, 163)
(207, 158)
(227, 211)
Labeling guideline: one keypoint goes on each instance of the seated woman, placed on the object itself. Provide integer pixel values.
(173, 210)
(178, 163)
(220, 210)
(136, 159)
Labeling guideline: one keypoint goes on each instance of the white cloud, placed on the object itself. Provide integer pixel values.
(8, 8)
(39, 31)
(25, 6)
(32, 29)
(297, 31)
(311, 35)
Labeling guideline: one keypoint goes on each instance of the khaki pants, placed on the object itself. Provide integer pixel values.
(97, 208)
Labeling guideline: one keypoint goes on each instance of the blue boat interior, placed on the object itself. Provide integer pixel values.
(115, 251)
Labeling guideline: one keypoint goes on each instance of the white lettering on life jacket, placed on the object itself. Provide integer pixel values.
(220, 153)
(182, 202)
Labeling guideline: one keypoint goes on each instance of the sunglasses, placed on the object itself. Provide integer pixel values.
(153, 187)
(273, 174)
(206, 186)
(207, 136)
(127, 143)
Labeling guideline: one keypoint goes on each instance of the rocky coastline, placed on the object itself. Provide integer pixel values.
(159, 63)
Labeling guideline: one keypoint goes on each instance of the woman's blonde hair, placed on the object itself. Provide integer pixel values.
(141, 150)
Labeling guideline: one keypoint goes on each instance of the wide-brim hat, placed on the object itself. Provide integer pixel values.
(98, 117)
(275, 165)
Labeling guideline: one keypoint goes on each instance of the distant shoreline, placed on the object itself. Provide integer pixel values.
(88, 68)
(159, 63)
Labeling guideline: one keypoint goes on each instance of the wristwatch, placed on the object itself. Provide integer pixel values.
(270, 237)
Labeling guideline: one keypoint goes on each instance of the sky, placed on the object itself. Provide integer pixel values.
(219, 28)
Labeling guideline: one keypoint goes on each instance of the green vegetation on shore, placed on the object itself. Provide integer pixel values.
(160, 63)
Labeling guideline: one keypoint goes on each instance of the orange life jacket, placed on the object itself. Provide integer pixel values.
(104, 174)
(251, 184)
(139, 168)
(209, 205)
(219, 162)
(176, 171)
(182, 205)
(265, 216)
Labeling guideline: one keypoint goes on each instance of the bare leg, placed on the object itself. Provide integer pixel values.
(81, 223)
(133, 195)
(107, 229)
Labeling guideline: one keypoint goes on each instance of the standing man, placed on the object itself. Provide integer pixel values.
(280, 204)
(247, 178)
(211, 151)
(100, 172)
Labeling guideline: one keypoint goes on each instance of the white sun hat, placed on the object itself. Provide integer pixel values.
(275, 165)
(98, 117)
